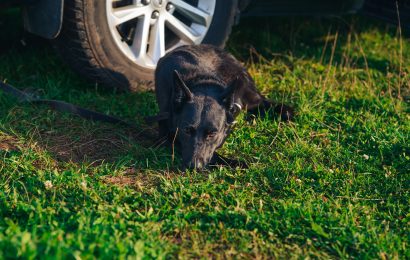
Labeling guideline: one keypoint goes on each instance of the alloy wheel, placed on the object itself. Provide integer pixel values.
(144, 30)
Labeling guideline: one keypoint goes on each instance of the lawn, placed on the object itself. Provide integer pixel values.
(334, 183)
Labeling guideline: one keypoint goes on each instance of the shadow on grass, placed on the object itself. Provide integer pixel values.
(71, 139)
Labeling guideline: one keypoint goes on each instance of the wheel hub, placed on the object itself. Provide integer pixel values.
(157, 4)
(145, 30)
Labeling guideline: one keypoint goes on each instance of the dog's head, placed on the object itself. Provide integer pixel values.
(201, 122)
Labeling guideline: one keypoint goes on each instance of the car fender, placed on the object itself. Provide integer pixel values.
(44, 17)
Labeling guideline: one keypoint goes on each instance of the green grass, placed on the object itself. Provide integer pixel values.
(334, 183)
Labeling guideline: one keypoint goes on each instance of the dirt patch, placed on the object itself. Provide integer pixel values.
(140, 180)
(8, 143)
(76, 142)
(121, 180)
(131, 177)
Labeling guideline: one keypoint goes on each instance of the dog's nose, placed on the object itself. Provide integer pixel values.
(198, 165)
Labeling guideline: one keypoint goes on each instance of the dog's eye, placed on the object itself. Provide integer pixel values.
(211, 134)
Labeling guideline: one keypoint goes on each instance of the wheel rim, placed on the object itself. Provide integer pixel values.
(144, 30)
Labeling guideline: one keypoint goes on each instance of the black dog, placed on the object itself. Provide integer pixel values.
(200, 90)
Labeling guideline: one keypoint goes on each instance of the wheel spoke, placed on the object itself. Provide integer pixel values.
(181, 30)
(157, 40)
(127, 13)
(140, 41)
(193, 13)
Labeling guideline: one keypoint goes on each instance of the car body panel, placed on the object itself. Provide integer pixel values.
(389, 10)
(301, 7)
(44, 17)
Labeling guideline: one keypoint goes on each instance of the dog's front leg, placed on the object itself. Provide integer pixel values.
(267, 107)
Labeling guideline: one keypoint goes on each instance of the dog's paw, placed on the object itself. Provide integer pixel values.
(285, 112)
(219, 160)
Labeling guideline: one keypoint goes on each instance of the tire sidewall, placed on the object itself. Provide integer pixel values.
(122, 69)
(222, 22)
(106, 51)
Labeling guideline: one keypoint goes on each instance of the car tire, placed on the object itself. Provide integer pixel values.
(88, 45)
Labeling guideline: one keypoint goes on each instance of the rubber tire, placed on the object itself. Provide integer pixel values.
(86, 44)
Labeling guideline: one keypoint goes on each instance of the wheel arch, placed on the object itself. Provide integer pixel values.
(44, 17)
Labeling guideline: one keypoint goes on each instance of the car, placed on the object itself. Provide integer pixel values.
(119, 42)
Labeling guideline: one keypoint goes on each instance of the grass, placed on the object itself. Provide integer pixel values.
(335, 183)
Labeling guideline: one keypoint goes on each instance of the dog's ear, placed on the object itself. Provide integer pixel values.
(182, 93)
(228, 98)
